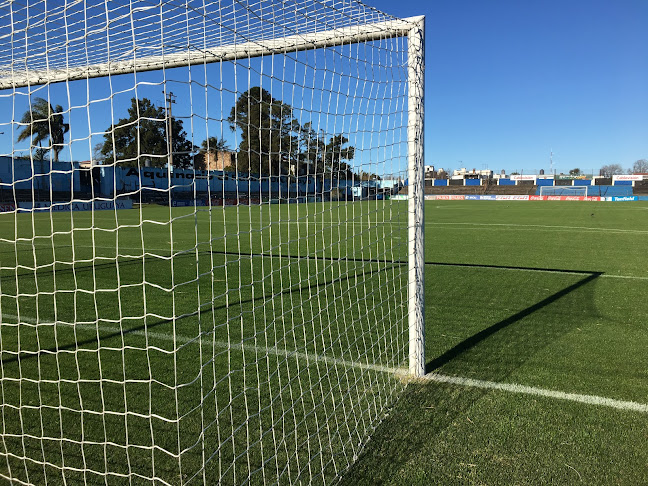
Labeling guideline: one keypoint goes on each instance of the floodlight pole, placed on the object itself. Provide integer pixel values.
(416, 257)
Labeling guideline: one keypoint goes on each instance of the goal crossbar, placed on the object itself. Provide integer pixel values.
(9, 77)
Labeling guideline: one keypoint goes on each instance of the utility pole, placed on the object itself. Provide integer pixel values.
(169, 99)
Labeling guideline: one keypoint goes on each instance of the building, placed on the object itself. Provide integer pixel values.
(215, 160)
(472, 174)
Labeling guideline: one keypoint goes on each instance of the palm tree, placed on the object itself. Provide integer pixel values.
(43, 122)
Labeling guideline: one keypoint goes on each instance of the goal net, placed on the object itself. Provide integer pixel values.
(563, 190)
(211, 245)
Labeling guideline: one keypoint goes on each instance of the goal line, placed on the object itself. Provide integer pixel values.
(433, 377)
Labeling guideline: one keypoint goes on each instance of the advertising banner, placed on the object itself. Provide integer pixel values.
(537, 198)
(7, 207)
(473, 198)
(450, 198)
(508, 197)
(188, 202)
(428, 197)
(520, 177)
(628, 177)
(624, 198)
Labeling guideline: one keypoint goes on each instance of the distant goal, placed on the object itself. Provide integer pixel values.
(563, 191)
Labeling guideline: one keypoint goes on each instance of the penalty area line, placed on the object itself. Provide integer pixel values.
(434, 377)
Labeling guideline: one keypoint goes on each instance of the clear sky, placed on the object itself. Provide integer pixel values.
(508, 80)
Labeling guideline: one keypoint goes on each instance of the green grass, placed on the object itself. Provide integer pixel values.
(147, 322)
(491, 315)
(152, 343)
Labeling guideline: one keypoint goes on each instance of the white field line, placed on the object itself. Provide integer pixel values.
(235, 346)
(540, 392)
(399, 372)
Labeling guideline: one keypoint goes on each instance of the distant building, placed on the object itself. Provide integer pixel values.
(472, 174)
(215, 160)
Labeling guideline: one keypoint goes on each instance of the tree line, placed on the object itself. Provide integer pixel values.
(639, 167)
(271, 138)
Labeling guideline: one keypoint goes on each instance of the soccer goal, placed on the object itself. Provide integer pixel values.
(563, 191)
(208, 273)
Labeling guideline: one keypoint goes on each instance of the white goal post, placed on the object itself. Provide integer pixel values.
(204, 278)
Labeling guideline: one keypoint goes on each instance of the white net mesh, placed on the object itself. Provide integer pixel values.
(203, 269)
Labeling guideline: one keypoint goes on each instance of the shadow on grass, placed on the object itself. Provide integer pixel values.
(72, 267)
(405, 446)
(475, 339)
(203, 310)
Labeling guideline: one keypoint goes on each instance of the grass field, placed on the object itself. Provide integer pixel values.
(149, 343)
(547, 295)
(240, 350)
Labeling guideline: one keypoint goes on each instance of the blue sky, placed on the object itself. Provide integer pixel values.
(508, 81)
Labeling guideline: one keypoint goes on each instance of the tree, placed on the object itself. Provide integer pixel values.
(43, 122)
(640, 166)
(325, 157)
(97, 157)
(268, 132)
(141, 139)
(335, 155)
(41, 154)
(213, 145)
(611, 169)
(272, 140)
(312, 145)
(367, 176)
(575, 172)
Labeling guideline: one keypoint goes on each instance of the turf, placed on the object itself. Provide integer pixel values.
(550, 295)
(153, 342)
(494, 313)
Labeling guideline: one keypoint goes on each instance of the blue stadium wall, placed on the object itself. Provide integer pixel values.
(25, 174)
(125, 180)
(70, 178)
